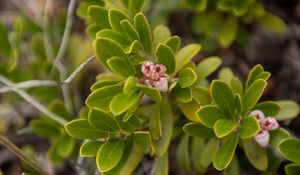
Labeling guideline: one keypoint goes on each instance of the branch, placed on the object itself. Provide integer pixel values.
(13, 148)
(79, 69)
(29, 84)
(32, 101)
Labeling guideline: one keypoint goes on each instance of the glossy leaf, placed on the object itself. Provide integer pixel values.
(115, 17)
(122, 102)
(196, 152)
(142, 26)
(278, 135)
(273, 23)
(103, 83)
(152, 93)
(185, 54)
(223, 96)
(224, 127)
(101, 98)
(255, 154)
(99, 15)
(120, 66)
(161, 165)
(202, 94)
(106, 48)
(44, 128)
(130, 125)
(209, 115)
(225, 154)
(225, 74)
(249, 127)
(269, 108)
(160, 34)
(183, 158)
(289, 110)
(289, 148)
(174, 43)
(252, 95)
(165, 56)
(198, 130)
(186, 77)
(155, 124)
(228, 31)
(206, 67)
(135, 6)
(81, 129)
(111, 34)
(190, 109)
(109, 154)
(183, 95)
(103, 121)
(129, 30)
(89, 148)
(253, 74)
(292, 169)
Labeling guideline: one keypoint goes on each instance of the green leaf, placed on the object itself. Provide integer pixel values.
(289, 148)
(129, 30)
(236, 85)
(166, 118)
(187, 77)
(198, 5)
(152, 93)
(252, 95)
(198, 130)
(65, 146)
(44, 128)
(225, 154)
(223, 96)
(161, 165)
(101, 98)
(233, 168)
(160, 34)
(228, 31)
(120, 66)
(238, 105)
(103, 121)
(89, 148)
(183, 158)
(197, 147)
(53, 155)
(115, 17)
(224, 127)
(209, 115)
(249, 128)
(189, 110)
(103, 83)
(142, 26)
(130, 124)
(273, 23)
(269, 108)
(5, 46)
(135, 6)
(255, 154)
(253, 74)
(165, 56)
(292, 169)
(59, 108)
(99, 15)
(208, 152)
(202, 94)
(110, 154)
(130, 85)
(81, 129)
(111, 34)
(185, 54)
(277, 136)
(289, 110)
(225, 75)
(183, 95)
(106, 48)
(155, 124)
(174, 43)
(207, 66)
(122, 102)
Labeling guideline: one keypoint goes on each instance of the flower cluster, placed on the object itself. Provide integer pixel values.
(266, 124)
(155, 76)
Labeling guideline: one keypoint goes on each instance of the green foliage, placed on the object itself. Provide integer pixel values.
(289, 149)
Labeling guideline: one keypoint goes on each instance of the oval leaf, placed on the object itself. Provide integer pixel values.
(249, 128)
(223, 127)
(165, 56)
(103, 121)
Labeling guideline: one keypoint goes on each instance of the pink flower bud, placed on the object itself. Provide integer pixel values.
(160, 69)
(147, 68)
(263, 138)
(162, 84)
(260, 116)
(270, 124)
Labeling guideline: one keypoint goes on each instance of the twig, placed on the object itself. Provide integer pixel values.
(78, 69)
(13, 148)
(32, 101)
(29, 84)
(46, 38)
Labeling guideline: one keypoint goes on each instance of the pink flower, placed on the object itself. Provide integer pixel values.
(266, 125)
(155, 76)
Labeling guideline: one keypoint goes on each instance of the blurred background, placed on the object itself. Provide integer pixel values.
(253, 32)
